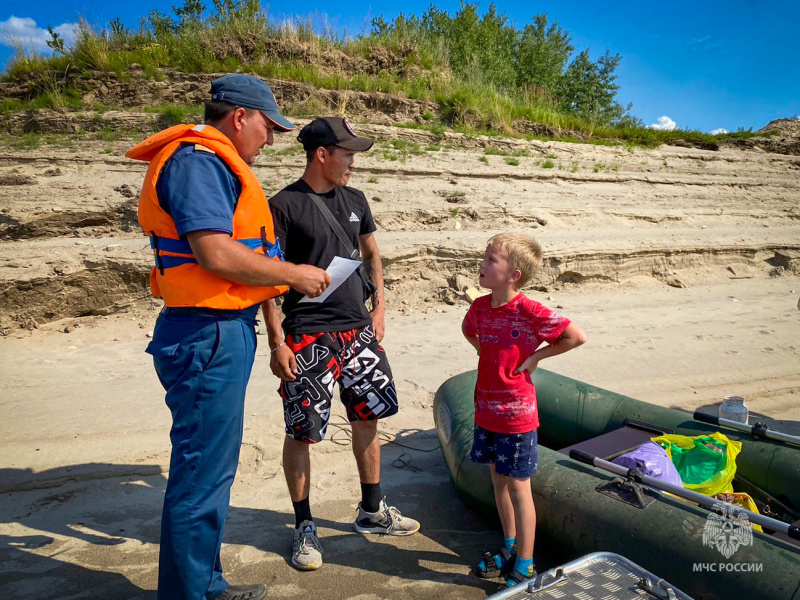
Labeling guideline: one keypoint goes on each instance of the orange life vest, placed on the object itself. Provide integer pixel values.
(177, 277)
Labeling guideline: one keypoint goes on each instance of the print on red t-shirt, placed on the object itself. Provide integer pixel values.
(508, 335)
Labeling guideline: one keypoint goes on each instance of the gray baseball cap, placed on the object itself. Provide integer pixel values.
(249, 92)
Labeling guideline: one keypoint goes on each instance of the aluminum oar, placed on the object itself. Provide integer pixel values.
(793, 531)
(757, 430)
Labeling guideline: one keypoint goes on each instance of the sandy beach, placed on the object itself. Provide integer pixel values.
(682, 265)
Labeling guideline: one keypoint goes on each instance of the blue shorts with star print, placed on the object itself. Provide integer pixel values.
(513, 454)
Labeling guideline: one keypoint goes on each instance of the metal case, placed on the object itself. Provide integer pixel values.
(596, 576)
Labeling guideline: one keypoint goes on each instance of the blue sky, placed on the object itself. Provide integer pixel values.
(700, 65)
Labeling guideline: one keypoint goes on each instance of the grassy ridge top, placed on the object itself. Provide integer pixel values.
(483, 74)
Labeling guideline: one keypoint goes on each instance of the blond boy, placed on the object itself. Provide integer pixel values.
(508, 330)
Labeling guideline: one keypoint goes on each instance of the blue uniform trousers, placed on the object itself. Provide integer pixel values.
(203, 360)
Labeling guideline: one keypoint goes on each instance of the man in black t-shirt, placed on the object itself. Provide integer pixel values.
(336, 341)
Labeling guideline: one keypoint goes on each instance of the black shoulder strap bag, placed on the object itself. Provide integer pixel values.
(370, 290)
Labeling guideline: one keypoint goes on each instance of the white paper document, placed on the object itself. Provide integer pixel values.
(339, 270)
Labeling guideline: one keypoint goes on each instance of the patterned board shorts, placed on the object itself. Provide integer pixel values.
(355, 361)
(513, 454)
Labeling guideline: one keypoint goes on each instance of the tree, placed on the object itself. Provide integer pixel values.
(587, 89)
(162, 25)
(527, 63)
(542, 54)
(481, 48)
(191, 12)
(380, 27)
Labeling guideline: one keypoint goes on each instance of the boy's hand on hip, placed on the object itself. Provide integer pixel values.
(283, 364)
(529, 365)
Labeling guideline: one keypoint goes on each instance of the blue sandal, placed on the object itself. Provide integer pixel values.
(490, 567)
(514, 578)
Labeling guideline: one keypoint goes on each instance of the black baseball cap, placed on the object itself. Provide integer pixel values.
(332, 131)
(249, 92)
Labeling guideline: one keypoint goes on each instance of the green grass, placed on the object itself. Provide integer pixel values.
(288, 151)
(484, 160)
(10, 105)
(175, 114)
(405, 147)
(108, 135)
(25, 141)
(31, 140)
(511, 161)
(548, 164)
(372, 179)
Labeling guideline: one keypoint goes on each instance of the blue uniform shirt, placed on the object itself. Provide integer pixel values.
(200, 192)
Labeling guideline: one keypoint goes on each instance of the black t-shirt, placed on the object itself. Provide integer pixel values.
(307, 238)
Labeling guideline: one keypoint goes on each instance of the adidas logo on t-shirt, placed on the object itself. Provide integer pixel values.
(353, 218)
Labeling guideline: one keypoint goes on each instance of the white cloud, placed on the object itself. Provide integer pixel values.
(23, 30)
(719, 131)
(664, 124)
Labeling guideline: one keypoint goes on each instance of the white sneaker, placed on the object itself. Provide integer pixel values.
(387, 520)
(306, 549)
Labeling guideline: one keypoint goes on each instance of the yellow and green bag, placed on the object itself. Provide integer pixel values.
(706, 463)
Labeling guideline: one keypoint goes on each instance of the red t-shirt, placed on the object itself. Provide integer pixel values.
(509, 334)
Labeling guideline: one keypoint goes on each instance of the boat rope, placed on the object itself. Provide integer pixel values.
(342, 435)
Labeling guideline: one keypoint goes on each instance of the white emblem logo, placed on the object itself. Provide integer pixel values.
(727, 532)
(346, 124)
(353, 217)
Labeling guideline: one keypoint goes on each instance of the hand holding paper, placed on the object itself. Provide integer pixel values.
(339, 270)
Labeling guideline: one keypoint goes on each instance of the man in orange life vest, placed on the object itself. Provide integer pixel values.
(216, 261)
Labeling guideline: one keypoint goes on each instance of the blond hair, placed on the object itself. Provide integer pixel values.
(524, 254)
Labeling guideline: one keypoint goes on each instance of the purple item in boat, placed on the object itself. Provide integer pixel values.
(653, 460)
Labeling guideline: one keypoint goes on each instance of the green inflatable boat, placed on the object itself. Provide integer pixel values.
(662, 533)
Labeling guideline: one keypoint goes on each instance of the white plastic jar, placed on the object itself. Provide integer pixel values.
(733, 408)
